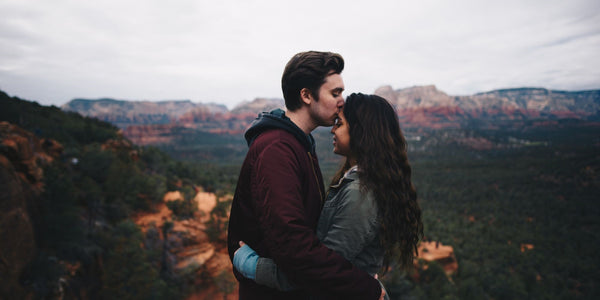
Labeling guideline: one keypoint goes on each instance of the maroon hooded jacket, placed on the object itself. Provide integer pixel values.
(275, 210)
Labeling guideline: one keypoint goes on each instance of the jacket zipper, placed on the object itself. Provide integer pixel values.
(312, 163)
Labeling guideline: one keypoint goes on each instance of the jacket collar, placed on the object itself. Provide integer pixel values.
(350, 175)
(277, 119)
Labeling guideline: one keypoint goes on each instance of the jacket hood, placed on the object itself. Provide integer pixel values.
(276, 119)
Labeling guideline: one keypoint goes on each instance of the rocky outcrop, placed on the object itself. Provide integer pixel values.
(189, 249)
(22, 156)
(444, 255)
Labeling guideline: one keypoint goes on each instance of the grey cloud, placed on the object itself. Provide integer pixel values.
(228, 51)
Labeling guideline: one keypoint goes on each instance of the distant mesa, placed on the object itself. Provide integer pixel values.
(418, 107)
(426, 106)
(123, 113)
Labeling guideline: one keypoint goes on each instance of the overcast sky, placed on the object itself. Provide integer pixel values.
(229, 51)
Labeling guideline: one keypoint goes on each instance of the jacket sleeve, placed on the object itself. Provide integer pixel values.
(268, 274)
(353, 224)
(289, 239)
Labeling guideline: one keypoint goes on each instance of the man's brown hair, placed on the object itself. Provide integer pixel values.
(308, 70)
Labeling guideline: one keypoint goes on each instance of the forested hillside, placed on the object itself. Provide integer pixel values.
(523, 218)
(68, 216)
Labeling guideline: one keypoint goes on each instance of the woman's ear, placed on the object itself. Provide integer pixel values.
(306, 96)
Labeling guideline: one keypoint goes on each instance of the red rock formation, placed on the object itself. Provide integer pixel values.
(200, 115)
(426, 106)
(430, 117)
(444, 255)
(188, 242)
(149, 134)
(22, 156)
(155, 123)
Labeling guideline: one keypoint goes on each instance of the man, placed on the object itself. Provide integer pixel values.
(280, 190)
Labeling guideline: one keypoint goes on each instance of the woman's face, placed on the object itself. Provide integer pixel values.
(341, 135)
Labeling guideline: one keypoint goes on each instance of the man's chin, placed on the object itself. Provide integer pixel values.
(328, 123)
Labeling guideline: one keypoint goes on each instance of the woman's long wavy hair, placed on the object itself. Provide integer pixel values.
(379, 147)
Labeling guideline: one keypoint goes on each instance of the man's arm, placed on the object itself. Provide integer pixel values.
(290, 241)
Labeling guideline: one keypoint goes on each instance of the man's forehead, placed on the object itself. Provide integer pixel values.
(334, 81)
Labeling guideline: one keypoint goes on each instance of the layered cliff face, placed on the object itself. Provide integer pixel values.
(22, 156)
(417, 107)
(583, 103)
(125, 113)
(426, 106)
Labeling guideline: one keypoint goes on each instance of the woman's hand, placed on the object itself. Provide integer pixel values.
(242, 245)
(245, 260)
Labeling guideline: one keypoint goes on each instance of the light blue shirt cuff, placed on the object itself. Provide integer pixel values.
(245, 260)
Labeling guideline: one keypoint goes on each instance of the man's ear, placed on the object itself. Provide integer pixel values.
(306, 96)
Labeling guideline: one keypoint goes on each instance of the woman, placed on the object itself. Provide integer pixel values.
(371, 215)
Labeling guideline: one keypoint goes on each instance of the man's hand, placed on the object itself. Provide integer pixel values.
(382, 289)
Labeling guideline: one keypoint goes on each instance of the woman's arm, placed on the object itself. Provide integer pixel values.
(267, 273)
(262, 270)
